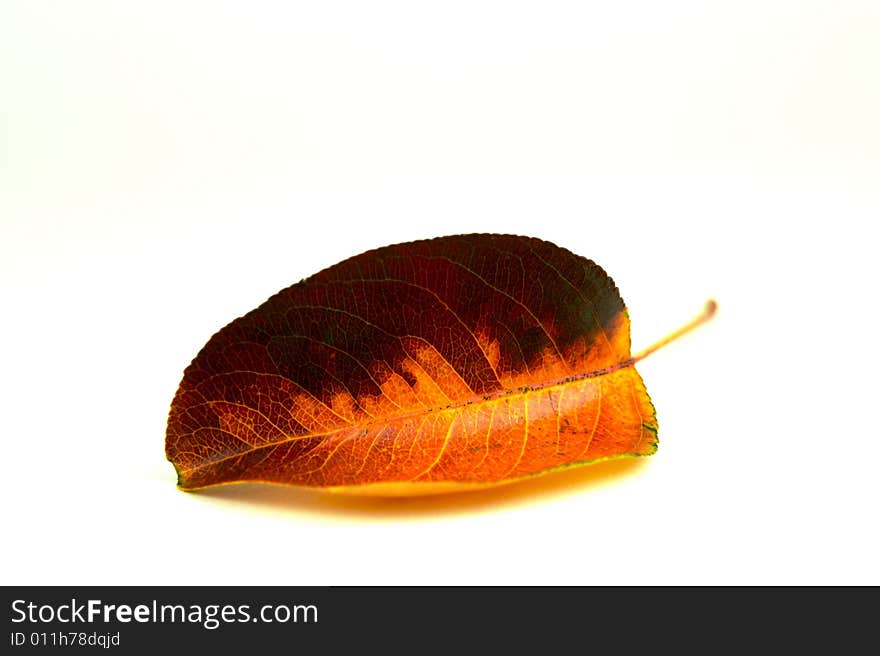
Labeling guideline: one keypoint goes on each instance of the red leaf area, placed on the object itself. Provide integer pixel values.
(471, 359)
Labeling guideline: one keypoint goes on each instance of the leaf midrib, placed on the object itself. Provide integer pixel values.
(509, 393)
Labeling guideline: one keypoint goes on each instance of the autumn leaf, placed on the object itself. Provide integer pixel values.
(442, 364)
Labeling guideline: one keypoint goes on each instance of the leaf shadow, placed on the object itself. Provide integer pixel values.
(285, 499)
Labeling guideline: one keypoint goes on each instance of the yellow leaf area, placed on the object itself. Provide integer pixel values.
(428, 432)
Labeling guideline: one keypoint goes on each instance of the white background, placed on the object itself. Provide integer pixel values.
(165, 167)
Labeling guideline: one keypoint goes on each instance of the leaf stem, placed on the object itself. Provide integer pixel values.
(707, 313)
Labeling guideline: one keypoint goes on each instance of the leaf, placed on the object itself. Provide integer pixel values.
(441, 364)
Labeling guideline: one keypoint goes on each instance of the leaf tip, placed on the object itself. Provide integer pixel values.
(181, 479)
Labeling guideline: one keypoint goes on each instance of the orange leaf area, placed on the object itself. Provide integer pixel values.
(431, 366)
